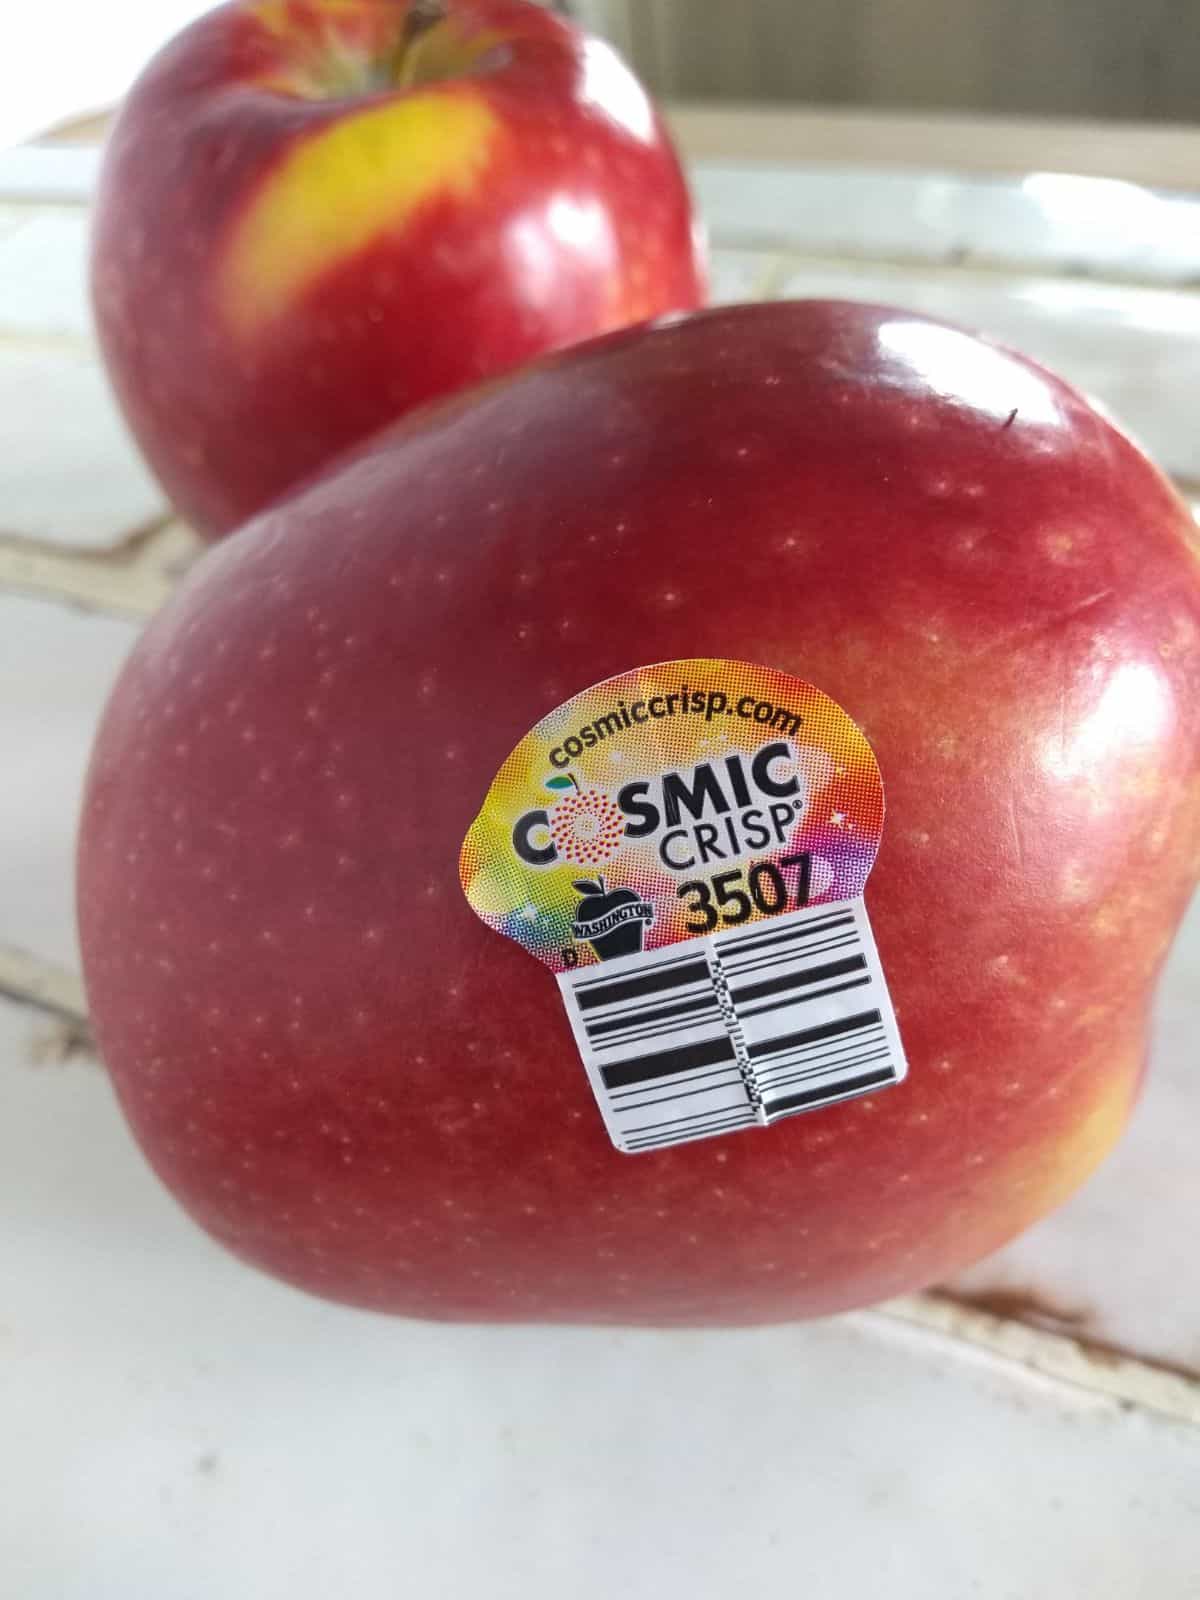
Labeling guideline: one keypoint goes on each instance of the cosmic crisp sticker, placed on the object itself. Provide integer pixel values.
(640, 839)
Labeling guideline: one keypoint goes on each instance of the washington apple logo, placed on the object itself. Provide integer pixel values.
(612, 921)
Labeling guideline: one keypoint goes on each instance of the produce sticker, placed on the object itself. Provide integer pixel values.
(686, 846)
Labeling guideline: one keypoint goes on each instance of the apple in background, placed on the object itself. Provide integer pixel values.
(351, 1081)
(316, 214)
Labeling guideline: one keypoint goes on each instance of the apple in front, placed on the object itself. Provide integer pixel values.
(352, 1082)
(316, 214)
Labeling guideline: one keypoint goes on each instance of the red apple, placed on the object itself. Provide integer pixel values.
(315, 214)
(351, 1081)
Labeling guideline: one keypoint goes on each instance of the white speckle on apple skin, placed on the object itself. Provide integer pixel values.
(1059, 547)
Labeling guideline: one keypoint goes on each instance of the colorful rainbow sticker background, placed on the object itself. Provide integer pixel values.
(841, 823)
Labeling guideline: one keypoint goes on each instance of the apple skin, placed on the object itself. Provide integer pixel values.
(284, 261)
(352, 1082)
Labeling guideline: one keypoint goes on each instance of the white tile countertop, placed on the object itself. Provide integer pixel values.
(174, 1425)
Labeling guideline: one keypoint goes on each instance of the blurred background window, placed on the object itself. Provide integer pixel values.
(1106, 59)
(1138, 59)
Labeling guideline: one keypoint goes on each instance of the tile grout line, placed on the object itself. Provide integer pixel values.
(793, 255)
(72, 581)
(1128, 1380)
(43, 985)
(1132, 1382)
(132, 578)
(59, 342)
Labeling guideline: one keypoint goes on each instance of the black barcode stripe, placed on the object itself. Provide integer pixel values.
(634, 1019)
(639, 1146)
(734, 945)
(824, 1030)
(805, 1058)
(693, 1117)
(686, 989)
(644, 965)
(732, 1125)
(800, 979)
(663, 1063)
(632, 988)
(794, 1058)
(809, 1097)
(791, 951)
(834, 1069)
(781, 957)
(630, 1099)
(733, 1079)
(791, 1000)
(707, 1020)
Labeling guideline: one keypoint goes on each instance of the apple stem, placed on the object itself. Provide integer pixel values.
(575, 781)
(422, 16)
(601, 882)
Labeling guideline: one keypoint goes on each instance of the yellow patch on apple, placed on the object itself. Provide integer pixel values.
(337, 191)
(1054, 1172)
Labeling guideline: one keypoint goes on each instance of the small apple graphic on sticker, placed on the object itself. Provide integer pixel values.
(612, 921)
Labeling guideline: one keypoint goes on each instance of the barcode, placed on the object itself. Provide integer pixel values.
(735, 1029)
